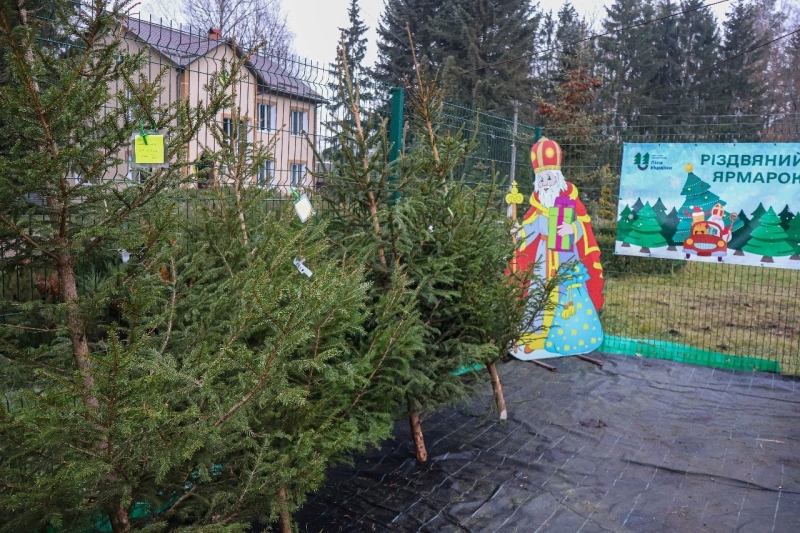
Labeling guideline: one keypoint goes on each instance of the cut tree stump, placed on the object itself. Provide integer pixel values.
(498, 390)
(416, 433)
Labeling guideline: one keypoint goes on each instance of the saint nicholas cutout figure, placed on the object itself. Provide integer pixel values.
(556, 237)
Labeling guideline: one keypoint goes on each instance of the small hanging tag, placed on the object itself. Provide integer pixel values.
(301, 267)
(149, 149)
(302, 206)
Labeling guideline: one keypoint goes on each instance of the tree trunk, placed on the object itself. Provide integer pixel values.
(671, 248)
(120, 523)
(416, 432)
(498, 390)
(625, 245)
(767, 259)
(645, 250)
(795, 257)
(286, 518)
(76, 326)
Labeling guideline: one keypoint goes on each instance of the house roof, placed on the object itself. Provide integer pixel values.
(183, 48)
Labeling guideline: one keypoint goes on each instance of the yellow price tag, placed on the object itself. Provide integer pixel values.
(151, 153)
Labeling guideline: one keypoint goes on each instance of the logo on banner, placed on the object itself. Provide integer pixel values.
(641, 161)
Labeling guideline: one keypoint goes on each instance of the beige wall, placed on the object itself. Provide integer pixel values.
(190, 83)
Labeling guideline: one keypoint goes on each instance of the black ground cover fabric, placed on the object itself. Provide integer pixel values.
(638, 445)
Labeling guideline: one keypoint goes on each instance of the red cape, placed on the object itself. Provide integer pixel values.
(588, 251)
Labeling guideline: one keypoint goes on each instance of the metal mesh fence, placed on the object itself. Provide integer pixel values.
(722, 315)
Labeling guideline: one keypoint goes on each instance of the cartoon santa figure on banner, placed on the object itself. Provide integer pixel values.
(556, 237)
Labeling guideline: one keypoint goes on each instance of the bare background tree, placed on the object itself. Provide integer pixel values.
(249, 21)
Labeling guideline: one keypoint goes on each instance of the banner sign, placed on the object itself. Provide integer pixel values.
(732, 203)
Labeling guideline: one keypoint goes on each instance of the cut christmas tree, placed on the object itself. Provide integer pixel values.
(645, 231)
(769, 239)
(698, 195)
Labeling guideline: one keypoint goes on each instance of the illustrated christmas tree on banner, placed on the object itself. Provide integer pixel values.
(786, 217)
(793, 231)
(669, 227)
(698, 194)
(741, 237)
(646, 232)
(769, 239)
(625, 224)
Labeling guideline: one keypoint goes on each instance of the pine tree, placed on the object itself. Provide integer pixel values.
(739, 238)
(769, 239)
(645, 231)
(698, 194)
(637, 206)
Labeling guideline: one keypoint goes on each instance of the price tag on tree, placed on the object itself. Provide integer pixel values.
(302, 206)
(150, 149)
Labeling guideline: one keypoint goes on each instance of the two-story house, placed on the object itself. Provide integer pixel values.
(271, 100)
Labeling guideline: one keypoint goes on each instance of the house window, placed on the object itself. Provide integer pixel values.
(266, 173)
(243, 135)
(266, 117)
(298, 123)
(298, 174)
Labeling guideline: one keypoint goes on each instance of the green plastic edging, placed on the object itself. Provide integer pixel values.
(655, 349)
(465, 369)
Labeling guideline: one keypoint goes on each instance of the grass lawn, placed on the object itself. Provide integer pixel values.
(733, 309)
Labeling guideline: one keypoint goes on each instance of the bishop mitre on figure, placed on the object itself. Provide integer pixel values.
(556, 236)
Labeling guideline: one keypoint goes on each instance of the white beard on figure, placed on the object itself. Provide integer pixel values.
(548, 195)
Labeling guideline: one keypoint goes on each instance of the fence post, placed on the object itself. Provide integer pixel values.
(396, 123)
(513, 170)
(537, 134)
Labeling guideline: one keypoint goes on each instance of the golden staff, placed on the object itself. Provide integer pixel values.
(513, 198)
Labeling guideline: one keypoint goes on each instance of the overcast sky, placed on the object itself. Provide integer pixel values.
(316, 23)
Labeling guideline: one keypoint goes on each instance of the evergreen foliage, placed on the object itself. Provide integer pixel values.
(786, 216)
(481, 49)
(625, 223)
(741, 88)
(445, 243)
(176, 369)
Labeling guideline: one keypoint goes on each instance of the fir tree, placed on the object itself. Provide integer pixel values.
(645, 231)
(626, 57)
(442, 242)
(637, 206)
(485, 51)
(740, 237)
(353, 45)
(769, 239)
(668, 54)
(395, 62)
(700, 43)
(741, 89)
(86, 442)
